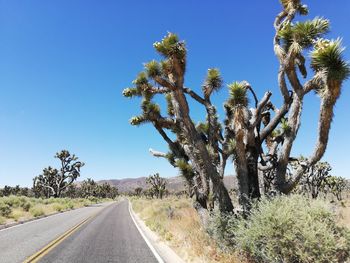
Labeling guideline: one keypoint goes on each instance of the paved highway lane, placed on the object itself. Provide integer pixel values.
(109, 237)
(19, 242)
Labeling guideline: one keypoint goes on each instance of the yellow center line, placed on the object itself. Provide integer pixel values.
(45, 250)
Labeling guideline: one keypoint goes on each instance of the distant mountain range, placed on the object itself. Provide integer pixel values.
(174, 184)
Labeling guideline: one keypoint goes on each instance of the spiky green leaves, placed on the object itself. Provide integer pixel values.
(166, 67)
(185, 169)
(203, 127)
(231, 146)
(140, 80)
(303, 34)
(170, 108)
(171, 46)
(212, 83)
(131, 92)
(153, 69)
(328, 56)
(141, 86)
(285, 126)
(238, 94)
(150, 108)
(137, 120)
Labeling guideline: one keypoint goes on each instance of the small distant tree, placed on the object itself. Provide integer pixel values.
(138, 191)
(315, 179)
(88, 188)
(158, 185)
(113, 192)
(336, 185)
(56, 181)
(149, 193)
(7, 190)
(106, 190)
(17, 190)
(72, 191)
(25, 191)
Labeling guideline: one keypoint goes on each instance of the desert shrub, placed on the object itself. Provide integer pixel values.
(2, 220)
(5, 209)
(221, 227)
(37, 211)
(26, 206)
(12, 201)
(58, 207)
(69, 205)
(16, 214)
(292, 229)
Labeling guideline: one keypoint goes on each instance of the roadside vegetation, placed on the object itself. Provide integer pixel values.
(291, 228)
(178, 224)
(21, 208)
(55, 190)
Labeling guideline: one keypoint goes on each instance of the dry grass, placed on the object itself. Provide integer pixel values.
(178, 224)
(344, 213)
(23, 208)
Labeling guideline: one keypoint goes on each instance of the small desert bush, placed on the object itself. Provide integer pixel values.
(16, 214)
(221, 227)
(58, 207)
(37, 210)
(291, 229)
(26, 206)
(5, 209)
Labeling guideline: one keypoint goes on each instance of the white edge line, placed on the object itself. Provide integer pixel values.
(154, 251)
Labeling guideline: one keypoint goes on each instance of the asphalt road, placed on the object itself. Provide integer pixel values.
(111, 236)
(19, 242)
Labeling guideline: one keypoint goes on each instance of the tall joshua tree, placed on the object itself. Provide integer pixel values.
(258, 137)
(56, 181)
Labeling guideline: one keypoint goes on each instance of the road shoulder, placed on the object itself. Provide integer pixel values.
(165, 252)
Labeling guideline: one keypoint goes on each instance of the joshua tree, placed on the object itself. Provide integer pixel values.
(258, 137)
(336, 185)
(157, 185)
(88, 188)
(106, 190)
(56, 181)
(314, 180)
(138, 191)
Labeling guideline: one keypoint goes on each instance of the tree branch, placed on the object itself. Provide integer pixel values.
(157, 154)
(195, 96)
(274, 122)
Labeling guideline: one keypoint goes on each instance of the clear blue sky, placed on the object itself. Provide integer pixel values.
(64, 64)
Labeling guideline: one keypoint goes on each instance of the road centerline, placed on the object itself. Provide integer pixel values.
(50, 246)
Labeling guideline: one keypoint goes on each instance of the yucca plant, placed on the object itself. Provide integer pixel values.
(212, 83)
(238, 95)
(201, 151)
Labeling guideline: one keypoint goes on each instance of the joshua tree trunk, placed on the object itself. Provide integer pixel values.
(253, 176)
